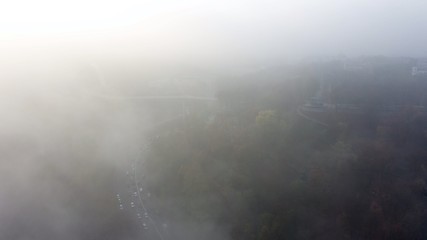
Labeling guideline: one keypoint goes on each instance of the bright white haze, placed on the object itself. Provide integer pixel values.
(211, 29)
(64, 133)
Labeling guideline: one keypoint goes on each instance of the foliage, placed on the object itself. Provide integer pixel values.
(267, 174)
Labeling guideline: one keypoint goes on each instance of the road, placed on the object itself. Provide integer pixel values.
(302, 114)
(131, 195)
(135, 198)
(161, 97)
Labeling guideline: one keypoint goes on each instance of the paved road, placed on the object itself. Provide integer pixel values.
(135, 198)
(302, 114)
(161, 97)
(131, 196)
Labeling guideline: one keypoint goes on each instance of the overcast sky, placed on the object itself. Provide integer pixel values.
(219, 28)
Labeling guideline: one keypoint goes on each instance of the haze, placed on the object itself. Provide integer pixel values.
(211, 119)
(216, 29)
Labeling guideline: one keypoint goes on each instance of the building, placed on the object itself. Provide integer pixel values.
(420, 69)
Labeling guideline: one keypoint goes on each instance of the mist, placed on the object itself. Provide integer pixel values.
(213, 120)
(193, 31)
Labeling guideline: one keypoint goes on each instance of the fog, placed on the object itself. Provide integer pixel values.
(217, 30)
(212, 119)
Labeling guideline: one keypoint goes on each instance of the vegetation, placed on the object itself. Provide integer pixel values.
(256, 168)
